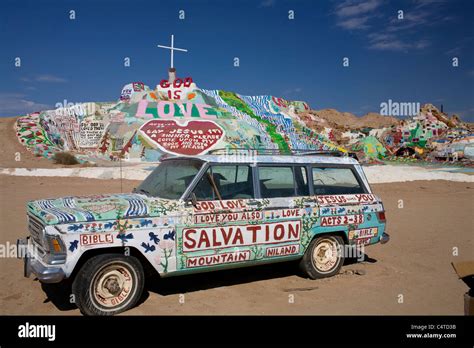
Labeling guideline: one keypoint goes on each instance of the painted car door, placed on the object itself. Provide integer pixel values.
(289, 212)
(221, 231)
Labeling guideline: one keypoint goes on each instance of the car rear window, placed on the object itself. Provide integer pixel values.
(335, 181)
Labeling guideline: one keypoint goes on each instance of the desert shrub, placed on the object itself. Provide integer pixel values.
(65, 158)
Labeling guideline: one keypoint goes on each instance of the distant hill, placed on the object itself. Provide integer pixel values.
(337, 119)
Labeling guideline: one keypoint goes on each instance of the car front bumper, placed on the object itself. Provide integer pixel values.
(34, 265)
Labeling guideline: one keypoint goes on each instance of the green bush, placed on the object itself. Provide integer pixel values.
(65, 158)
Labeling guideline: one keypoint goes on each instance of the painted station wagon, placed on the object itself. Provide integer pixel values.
(199, 214)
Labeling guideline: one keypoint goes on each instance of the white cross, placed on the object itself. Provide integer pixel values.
(172, 49)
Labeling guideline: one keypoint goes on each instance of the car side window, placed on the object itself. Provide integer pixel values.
(233, 181)
(225, 182)
(335, 181)
(301, 179)
(276, 181)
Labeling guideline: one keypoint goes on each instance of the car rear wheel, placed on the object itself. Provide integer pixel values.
(324, 257)
(108, 284)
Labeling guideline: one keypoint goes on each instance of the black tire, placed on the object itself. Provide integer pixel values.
(108, 284)
(309, 265)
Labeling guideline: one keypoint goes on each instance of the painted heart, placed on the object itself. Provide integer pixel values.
(191, 138)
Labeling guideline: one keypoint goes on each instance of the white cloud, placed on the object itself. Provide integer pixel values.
(390, 42)
(410, 20)
(295, 90)
(44, 78)
(420, 44)
(460, 45)
(396, 34)
(14, 104)
(394, 45)
(50, 78)
(354, 23)
(355, 15)
(351, 8)
(423, 3)
(416, 17)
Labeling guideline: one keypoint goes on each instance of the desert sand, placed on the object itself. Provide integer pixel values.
(436, 217)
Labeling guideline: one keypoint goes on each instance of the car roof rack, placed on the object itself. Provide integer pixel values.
(277, 152)
(273, 152)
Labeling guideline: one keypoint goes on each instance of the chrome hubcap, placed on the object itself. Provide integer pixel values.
(112, 286)
(325, 255)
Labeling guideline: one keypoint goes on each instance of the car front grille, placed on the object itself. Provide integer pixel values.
(35, 228)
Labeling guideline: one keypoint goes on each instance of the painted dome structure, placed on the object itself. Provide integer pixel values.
(177, 117)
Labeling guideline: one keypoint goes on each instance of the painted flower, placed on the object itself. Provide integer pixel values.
(166, 244)
(157, 259)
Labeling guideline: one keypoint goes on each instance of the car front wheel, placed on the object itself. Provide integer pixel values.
(108, 284)
(324, 257)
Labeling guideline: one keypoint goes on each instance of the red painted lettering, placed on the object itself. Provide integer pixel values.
(189, 241)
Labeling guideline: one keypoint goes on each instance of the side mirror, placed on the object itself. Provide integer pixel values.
(192, 200)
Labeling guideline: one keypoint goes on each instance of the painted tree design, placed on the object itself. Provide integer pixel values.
(128, 145)
(104, 143)
(165, 257)
(160, 208)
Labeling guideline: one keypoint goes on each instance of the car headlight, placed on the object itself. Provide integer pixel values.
(56, 250)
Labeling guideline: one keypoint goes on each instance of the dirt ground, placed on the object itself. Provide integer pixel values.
(436, 217)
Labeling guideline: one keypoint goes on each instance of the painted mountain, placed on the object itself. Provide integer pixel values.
(176, 117)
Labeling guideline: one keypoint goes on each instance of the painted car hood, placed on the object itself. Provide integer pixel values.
(97, 207)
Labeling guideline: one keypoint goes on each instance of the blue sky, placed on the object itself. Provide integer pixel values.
(408, 60)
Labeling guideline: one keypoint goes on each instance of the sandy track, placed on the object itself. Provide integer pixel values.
(437, 216)
(14, 154)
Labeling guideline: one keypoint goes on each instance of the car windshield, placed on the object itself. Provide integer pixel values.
(170, 179)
